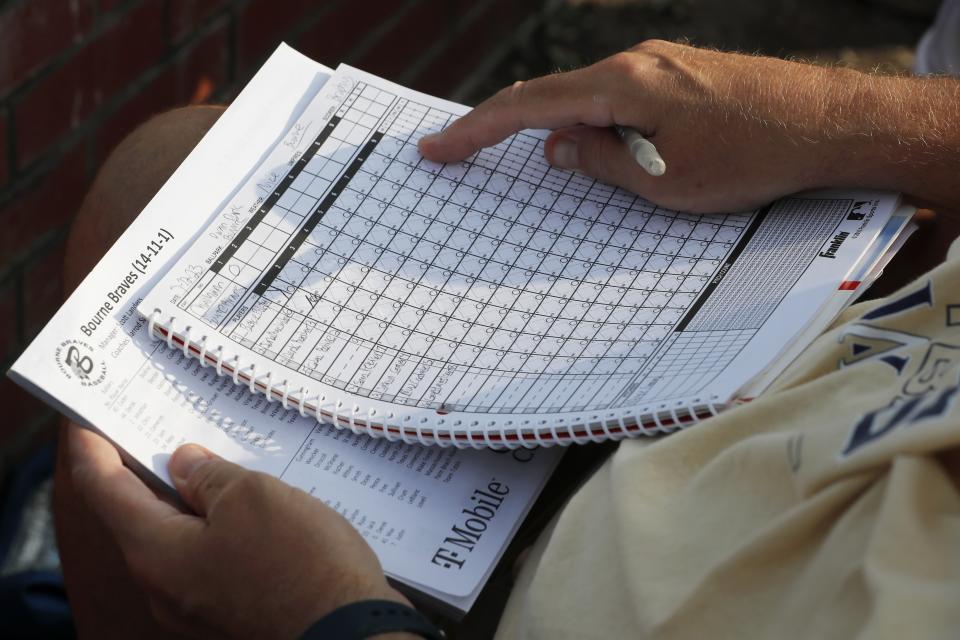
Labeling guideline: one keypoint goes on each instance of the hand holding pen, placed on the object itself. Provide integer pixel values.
(701, 149)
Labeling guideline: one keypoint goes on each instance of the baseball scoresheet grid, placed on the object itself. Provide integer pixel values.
(497, 285)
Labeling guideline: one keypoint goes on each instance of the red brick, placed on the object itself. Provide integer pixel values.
(34, 32)
(262, 25)
(339, 30)
(186, 15)
(469, 48)
(204, 68)
(9, 336)
(4, 169)
(43, 289)
(66, 97)
(106, 6)
(45, 206)
(410, 38)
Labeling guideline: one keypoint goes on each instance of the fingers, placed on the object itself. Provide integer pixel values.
(550, 102)
(201, 477)
(126, 505)
(89, 451)
(598, 153)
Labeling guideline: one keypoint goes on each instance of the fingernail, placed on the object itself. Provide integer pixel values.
(565, 154)
(188, 459)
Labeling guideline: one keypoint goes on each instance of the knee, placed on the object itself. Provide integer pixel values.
(152, 152)
(138, 166)
(131, 175)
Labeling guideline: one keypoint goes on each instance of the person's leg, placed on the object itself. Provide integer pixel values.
(105, 601)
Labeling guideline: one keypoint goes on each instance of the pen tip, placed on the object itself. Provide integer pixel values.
(656, 167)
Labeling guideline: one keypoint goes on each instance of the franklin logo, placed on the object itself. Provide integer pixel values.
(77, 361)
(834, 246)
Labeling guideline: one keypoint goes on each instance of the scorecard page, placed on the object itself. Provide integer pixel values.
(355, 269)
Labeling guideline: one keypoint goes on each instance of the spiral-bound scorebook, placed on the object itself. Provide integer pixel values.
(306, 251)
(498, 301)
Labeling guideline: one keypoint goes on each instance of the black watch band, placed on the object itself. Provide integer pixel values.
(366, 618)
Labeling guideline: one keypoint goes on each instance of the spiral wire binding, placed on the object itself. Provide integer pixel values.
(563, 431)
(220, 361)
(203, 351)
(300, 405)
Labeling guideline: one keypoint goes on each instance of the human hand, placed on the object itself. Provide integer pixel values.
(736, 131)
(260, 559)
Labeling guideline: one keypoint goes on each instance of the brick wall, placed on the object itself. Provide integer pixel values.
(77, 75)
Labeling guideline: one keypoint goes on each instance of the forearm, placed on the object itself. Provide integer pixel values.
(898, 133)
(837, 127)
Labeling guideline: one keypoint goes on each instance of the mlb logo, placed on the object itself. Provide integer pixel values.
(855, 212)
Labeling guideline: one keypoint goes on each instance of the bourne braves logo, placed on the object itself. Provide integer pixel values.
(77, 360)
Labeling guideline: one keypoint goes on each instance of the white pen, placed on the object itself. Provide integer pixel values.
(642, 150)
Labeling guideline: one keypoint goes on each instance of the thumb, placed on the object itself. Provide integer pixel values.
(200, 476)
(597, 152)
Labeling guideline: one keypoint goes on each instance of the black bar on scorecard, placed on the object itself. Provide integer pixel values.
(725, 269)
(297, 240)
(258, 217)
